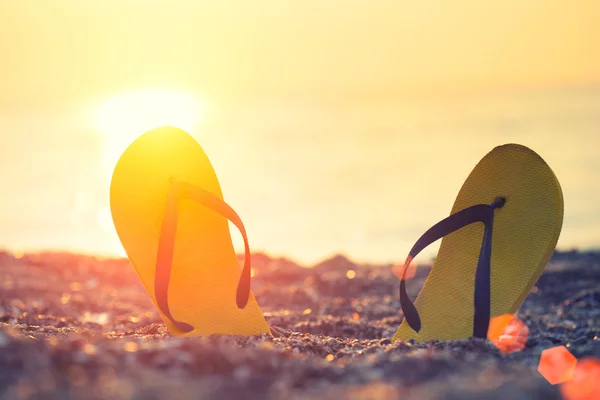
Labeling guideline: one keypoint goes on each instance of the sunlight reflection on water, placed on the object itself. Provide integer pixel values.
(313, 179)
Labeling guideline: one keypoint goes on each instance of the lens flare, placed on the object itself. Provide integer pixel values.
(585, 384)
(508, 333)
(126, 116)
(557, 365)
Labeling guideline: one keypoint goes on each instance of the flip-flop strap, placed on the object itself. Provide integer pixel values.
(164, 260)
(479, 213)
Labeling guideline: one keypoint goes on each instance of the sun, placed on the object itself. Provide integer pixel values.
(124, 117)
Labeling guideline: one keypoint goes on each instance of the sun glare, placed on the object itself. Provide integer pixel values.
(104, 219)
(124, 117)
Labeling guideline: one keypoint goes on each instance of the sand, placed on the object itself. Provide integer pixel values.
(78, 327)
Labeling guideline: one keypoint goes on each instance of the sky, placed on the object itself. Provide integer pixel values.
(65, 52)
(242, 69)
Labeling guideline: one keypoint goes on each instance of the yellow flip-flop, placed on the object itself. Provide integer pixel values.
(169, 213)
(501, 233)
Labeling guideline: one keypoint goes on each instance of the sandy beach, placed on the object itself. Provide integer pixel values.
(79, 327)
(326, 139)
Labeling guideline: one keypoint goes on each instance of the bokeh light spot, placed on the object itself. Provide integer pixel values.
(490, 378)
(350, 274)
(75, 286)
(510, 336)
(89, 349)
(557, 365)
(131, 347)
(585, 384)
(65, 298)
(498, 325)
(375, 390)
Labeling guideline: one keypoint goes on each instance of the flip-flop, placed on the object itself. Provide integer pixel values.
(486, 270)
(169, 214)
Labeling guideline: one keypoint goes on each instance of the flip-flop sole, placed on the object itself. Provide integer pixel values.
(525, 234)
(205, 268)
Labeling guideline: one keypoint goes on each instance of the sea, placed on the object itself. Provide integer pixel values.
(310, 177)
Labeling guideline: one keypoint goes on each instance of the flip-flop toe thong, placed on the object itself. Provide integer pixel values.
(171, 218)
(501, 233)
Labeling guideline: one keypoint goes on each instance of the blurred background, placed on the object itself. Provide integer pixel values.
(333, 126)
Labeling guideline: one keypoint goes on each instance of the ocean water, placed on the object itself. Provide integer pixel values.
(310, 178)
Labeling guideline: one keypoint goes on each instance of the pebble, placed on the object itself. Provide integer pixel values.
(342, 345)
